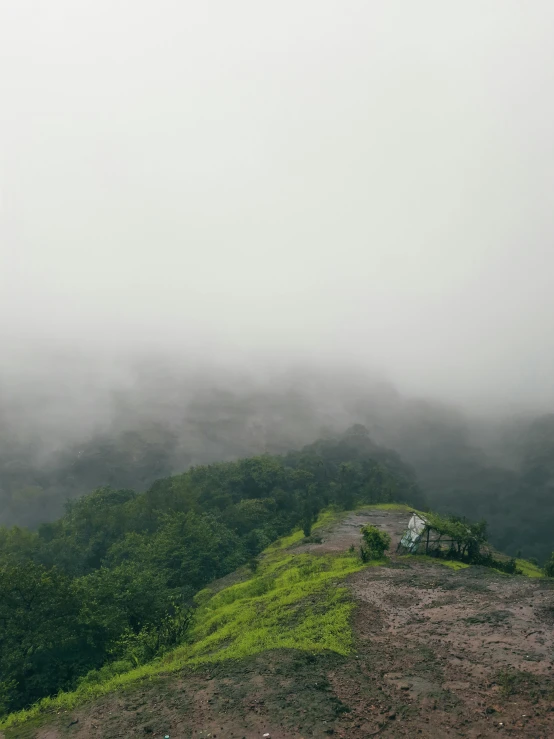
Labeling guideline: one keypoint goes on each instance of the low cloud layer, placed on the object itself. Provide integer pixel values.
(260, 186)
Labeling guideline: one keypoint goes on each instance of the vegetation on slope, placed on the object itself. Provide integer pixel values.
(287, 600)
(291, 601)
(112, 582)
(502, 471)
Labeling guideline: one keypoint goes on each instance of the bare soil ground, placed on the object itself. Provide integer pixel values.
(340, 536)
(439, 653)
(459, 653)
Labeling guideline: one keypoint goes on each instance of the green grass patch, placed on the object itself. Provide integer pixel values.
(325, 518)
(286, 541)
(330, 515)
(528, 568)
(388, 507)
(454, 564)
(292, 601)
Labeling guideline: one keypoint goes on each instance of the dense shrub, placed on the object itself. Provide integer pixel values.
(549, 566)
(376, 543)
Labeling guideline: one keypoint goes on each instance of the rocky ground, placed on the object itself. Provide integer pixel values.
(439, 653)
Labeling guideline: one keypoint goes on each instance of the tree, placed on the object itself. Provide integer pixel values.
(466, 538)
(549, 566)
(109, 584)
(43, 646)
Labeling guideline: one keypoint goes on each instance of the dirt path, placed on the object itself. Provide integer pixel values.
(456, 653)
(338, 537)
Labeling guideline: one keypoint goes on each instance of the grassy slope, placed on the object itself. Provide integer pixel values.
(292, 601)
(529, 569)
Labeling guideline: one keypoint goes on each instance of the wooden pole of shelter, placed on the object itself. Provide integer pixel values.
(427, 542)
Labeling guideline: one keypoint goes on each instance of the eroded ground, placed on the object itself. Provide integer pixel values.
(440, 653)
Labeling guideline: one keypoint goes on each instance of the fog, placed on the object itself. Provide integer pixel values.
(237, 190)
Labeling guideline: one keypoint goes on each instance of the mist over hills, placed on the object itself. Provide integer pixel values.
(195, 199)
(262, 264)
(61, 438)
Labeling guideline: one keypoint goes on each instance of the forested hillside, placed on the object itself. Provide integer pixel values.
(500, 469)
(110, 584)
(516, 497)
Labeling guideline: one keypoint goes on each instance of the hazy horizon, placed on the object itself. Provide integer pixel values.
(254, 188)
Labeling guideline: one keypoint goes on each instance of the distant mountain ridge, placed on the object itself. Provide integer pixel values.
(501, 470)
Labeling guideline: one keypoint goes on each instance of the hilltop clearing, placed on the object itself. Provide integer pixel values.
(436, 649)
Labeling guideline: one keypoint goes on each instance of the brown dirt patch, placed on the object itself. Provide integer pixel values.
(340, 536)
(454, 653)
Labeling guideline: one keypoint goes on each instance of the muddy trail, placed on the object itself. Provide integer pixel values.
(439, 653)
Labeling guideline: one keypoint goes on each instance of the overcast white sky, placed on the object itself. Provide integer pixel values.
(307, 179)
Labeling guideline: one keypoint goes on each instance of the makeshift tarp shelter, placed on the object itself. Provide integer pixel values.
(452, 537)
(417, 526)
(434, 534)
